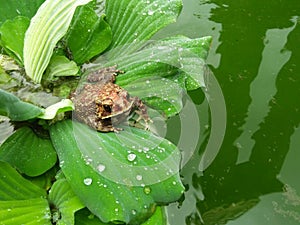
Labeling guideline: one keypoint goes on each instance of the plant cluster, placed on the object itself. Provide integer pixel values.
(54, 170)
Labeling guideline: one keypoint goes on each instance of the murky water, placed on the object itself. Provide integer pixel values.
(255, 177)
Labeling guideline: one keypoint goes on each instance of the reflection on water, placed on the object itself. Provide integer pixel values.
(254, 57)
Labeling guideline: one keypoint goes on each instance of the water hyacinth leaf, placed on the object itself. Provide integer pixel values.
(110, 176)
(65, 201)
(158, 218)
(28, 152)
(50, 112)
(14, 187)
(179, 53)
(159, 93)
(134, 21)
(85, 217)
(61, 66)
(12, 34)
(46, 28)
(13, 8)
(15, 109)
(160, 71)
(31, 211)
(21, 202)
(89, 34)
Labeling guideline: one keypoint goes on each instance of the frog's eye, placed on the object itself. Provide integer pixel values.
(107, 108)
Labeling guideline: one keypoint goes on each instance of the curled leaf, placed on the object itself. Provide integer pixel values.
(46, 28)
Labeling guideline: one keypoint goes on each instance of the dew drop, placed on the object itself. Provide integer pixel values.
(147, 190)
(139, 177)
(150, 12)
(133, 212)
(101, 168)
(88, 181)
(131, 157)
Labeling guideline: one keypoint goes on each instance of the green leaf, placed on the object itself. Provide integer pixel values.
(85, 217)
(46, 28)
(28, 152)
(61, 66)
(21, 202)
(12, 33)
(134, 21)
(119, 177)
(64, 105)
(89, 34)
(13, 8)
(65, 201)
(158, 218)
(31, 211)
(14, 187)
(15, 109)
(160, 71)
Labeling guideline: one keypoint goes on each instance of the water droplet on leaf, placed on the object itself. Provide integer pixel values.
(88, 181)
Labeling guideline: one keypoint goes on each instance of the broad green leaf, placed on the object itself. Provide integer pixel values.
(65, 201)
(134, 21)
(61, 66)
(46, 28)
(31, 211)
(28, 152)
(12, 34)
(50, 112)
(160, 71)
(14, 187)
(21, 202)
(119, 177)
(15, 109)
(89, 34)
(13, 8)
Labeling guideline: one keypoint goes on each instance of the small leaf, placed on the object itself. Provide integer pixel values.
(21, 202)
(89, 34)
(29, 153)
(15, 109)
(61, 66)
(12, 33)
(110, 176)
(65, 201)
(134, 21)
(46, 28)
(64, 105)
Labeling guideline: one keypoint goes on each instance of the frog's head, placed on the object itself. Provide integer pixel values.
(113, 101)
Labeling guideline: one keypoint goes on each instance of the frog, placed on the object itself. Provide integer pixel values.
(103, 105)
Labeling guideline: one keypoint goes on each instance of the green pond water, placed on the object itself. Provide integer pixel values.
(255, 54)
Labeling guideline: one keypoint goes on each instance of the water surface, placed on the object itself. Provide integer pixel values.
(255, 55)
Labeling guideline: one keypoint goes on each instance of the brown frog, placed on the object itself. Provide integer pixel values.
(102, 104)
